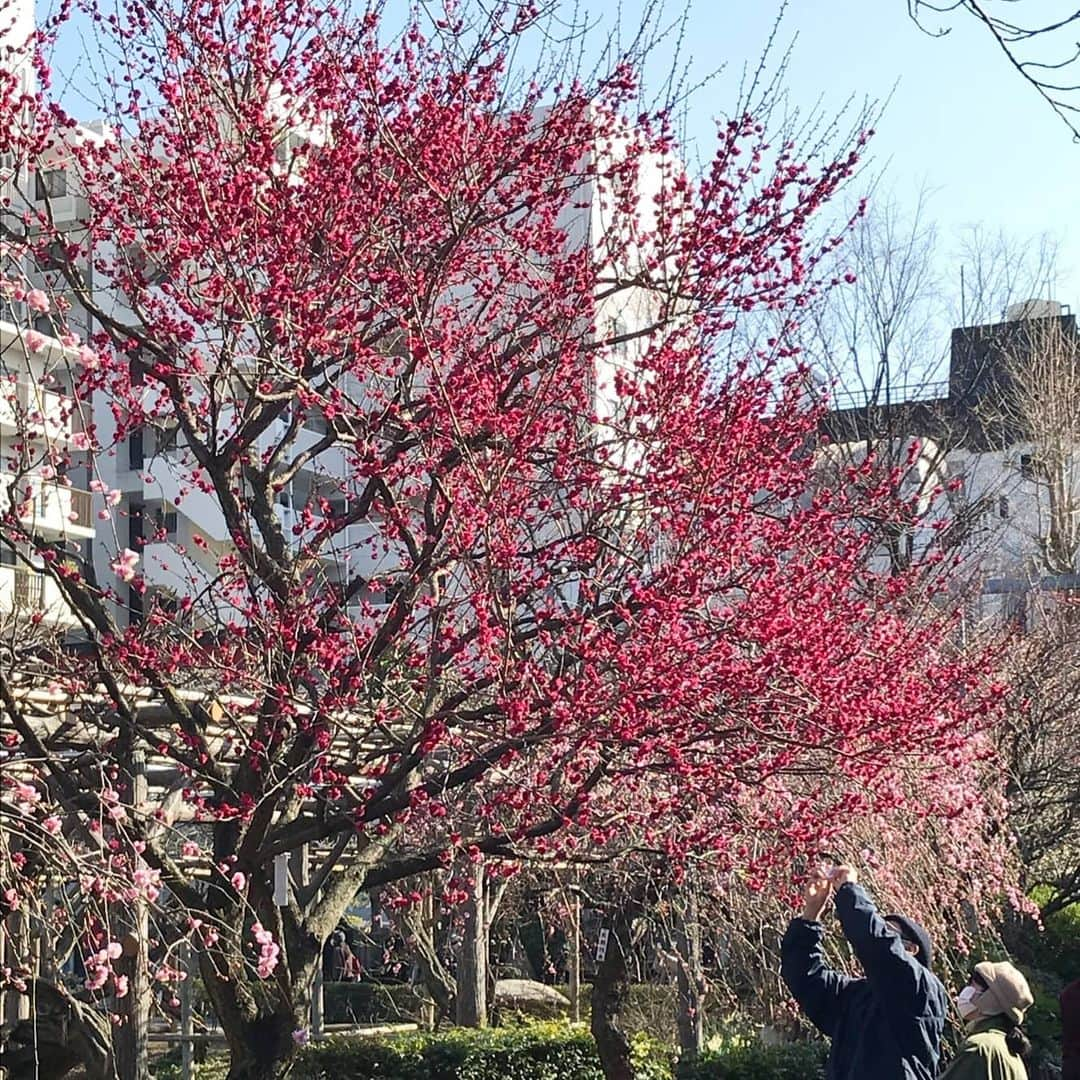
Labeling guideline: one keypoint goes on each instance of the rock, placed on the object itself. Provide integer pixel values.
(532, 998)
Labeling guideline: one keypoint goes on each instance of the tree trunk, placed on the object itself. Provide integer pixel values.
(422, 927)
(258, 1019)
(691, 980)
(610, 994)
(63, 1034)
(131, 1034)
(266, 1048)
(472, 973)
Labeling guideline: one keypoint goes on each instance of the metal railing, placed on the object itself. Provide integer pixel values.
(896, 396)
(72, 505)
(29, 589)
(33, 407)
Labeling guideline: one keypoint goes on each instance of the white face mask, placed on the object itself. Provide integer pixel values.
(965, 1002)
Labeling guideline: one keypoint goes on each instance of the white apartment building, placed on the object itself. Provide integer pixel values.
(40, 424)
(178, 530)
(37, 417)
(979, 468)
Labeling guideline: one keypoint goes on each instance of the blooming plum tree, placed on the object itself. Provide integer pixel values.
(481, 558)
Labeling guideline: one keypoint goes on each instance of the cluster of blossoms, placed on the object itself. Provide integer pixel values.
(99, 968)
(269, 951)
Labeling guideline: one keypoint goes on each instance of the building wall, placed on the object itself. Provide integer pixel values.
(38, 420)
(983, 462)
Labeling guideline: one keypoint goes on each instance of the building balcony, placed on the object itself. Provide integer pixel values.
(47, 508)
(25, 591)
(32, 412)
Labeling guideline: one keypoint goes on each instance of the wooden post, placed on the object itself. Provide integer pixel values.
(574, 959)
(317, 1002)
(430, 918)
(187, 1028)
(300, 869)
(16, 945)
(132, 1048)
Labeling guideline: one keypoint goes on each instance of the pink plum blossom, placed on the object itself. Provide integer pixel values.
(37, 300)
(123, 566)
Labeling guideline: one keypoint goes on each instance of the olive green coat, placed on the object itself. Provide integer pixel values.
(984, 1055)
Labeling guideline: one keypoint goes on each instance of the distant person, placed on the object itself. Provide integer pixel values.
(338, 959)
(1070, 1031)
(992, 1006)
(887, 1025)
(354, 969)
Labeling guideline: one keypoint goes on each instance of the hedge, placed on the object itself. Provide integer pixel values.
(752, 1061)
(533, 1051)
(544, 1051)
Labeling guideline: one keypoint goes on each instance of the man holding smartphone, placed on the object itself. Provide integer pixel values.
(886, 1025)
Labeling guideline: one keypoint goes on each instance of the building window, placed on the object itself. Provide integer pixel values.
(49, 325)
(163, 519)
(1003, 507)
(8, 557)
(617, 328)
(165, 438)
(50, 184)
(317, 423)
(52, 256)
(135, 449)
(137, 368)
(135, 526)
(146, 270)
(1031, 468)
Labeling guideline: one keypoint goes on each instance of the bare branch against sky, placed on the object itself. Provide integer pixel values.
(1045, 51)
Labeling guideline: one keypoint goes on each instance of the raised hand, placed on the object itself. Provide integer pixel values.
(841, 875)
(816, 895)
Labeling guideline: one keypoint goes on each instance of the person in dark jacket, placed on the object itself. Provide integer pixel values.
(887, 1025)
(1070, 1031)
(338, 959)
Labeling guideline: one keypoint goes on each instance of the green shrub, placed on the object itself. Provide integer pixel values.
(752, 1061)
(650, 1008)
(1058, 948)
(169, 1068)
(370, 1003)
(532, 1051)
(554, 1051)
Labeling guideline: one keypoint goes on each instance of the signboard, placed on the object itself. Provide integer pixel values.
(602, 943)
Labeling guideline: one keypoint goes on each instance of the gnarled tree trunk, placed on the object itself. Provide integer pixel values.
(260, 1018)
(64, 1033)
(611, 993)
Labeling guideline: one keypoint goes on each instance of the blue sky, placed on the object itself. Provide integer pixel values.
(960, 122)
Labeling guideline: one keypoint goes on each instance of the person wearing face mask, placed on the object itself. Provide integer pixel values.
(886, 1026)
(992, 1006)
